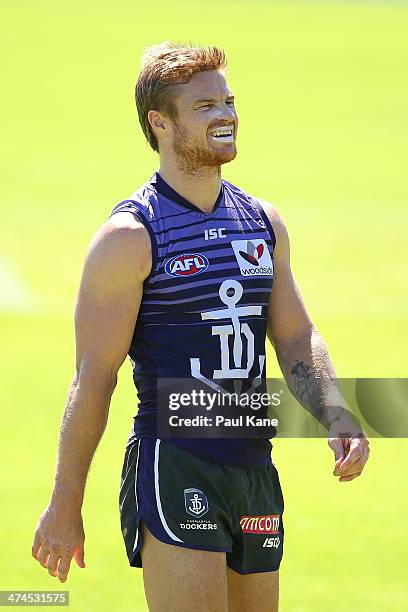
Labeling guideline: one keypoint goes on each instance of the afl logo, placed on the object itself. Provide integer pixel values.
(186, 265)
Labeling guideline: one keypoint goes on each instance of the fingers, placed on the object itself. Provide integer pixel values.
(56, 560)
(57, 538)
(337, 446)
(79, 556)
(341, 468)
(64, 566)
(43, 554)
(366, 450)
(349, 476)
(349, 464)
(36, 545)
(53, 562)
(357, 452)
(355, 461)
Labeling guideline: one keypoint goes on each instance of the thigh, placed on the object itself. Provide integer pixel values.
(179, 579)
(253, 592)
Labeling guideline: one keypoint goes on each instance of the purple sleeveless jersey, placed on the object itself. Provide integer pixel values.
(203, 313)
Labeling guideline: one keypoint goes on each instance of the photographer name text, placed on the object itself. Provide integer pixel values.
(220, 421)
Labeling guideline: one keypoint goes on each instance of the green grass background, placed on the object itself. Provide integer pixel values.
(321, 92)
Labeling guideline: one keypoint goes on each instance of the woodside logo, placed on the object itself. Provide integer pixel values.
(253, 257)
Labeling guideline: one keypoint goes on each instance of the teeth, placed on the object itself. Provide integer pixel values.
(222, 132)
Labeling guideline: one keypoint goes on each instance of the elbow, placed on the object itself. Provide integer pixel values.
(91, 373)
(292, 337)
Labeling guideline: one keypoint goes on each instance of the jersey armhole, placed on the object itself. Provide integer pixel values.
(267, 221)
(132, 207)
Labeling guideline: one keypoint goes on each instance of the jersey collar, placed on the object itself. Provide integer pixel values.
(168, 192)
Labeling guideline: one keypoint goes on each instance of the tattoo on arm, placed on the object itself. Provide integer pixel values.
(311, 378)
(313, 389)
(306, 388)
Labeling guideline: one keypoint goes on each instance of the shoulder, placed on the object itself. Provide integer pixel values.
(121, 247)
(143, 203)
(278, 225)
(269, 209)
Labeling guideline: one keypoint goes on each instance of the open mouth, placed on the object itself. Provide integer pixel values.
(224, 134)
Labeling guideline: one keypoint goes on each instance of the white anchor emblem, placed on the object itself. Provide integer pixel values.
(230, 293)
(195, 502)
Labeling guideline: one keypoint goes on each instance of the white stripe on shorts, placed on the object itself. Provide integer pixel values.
(158, 502)
(137, 527)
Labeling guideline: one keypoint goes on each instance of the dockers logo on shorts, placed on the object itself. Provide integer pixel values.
(253, 257)
(198, 525)
(195, 502)
(260, 524)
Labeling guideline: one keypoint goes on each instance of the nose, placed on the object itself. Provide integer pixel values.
(230, 112)
(226, 114)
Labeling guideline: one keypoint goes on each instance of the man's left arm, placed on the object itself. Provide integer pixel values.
(306, 364)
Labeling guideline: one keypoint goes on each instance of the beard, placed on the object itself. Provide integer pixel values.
(194, 159)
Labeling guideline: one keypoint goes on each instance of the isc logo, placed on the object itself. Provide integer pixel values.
(271, 543)
(215, 232)
(186, 265)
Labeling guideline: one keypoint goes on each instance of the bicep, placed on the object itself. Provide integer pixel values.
(109, 297)
(288, 318)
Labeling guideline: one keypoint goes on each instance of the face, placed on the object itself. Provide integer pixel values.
(204, 132)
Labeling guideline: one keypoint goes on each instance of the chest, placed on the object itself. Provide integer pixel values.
(198, 248)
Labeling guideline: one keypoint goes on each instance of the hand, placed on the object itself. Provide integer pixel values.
(350, 447)
(59, 537)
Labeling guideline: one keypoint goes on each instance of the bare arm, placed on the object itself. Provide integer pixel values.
(305, 362)
(117, 262)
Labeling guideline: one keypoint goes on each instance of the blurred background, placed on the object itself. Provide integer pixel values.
(321, 91)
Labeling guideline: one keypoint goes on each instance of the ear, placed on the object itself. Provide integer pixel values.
(157, 123)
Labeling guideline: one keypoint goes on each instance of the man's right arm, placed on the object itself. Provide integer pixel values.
(118, 261)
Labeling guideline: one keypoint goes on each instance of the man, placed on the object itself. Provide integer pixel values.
(180, 278)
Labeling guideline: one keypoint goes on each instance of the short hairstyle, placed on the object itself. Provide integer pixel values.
(164, 66)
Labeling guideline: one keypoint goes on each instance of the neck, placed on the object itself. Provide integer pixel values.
(201, 188)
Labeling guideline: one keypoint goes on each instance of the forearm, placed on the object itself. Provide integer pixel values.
(83, 423)
(310, 376)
